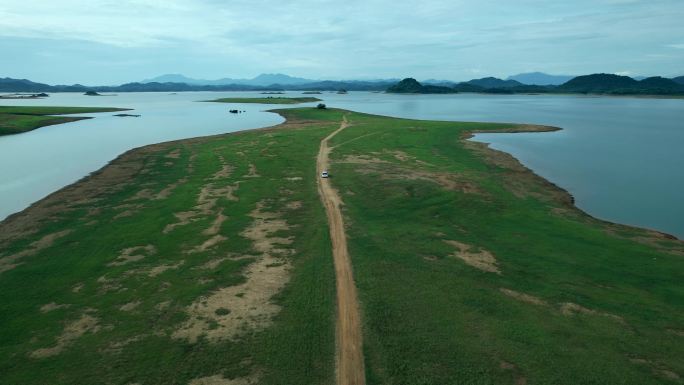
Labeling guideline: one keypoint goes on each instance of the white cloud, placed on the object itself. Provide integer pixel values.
(354, 38)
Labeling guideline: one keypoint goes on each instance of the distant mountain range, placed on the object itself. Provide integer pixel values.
(622, 85)
(607, 84)
(522, 83)
(24, 85)
(262, 80)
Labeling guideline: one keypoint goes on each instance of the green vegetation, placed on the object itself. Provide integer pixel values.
(469, 268)
(267, 100)
(622, 85)
(600, 84)
(412, 86)
(576, 300)
(15, 120)
(161, 230)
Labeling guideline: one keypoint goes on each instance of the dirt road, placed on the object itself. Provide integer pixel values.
(349, 356)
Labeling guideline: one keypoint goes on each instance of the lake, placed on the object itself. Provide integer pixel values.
(621, 158)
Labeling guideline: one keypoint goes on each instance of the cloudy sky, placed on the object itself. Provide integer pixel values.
(114, 41)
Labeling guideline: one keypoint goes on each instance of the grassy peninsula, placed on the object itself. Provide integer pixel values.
(18, 119)
(267, 100)
(209, 261)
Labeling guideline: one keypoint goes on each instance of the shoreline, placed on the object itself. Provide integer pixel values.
(13, 222)
(569, 199)
(21, 221)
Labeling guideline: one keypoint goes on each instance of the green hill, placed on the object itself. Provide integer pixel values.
(491, 82)
(622, 85)
(412, 86)
(598, 83)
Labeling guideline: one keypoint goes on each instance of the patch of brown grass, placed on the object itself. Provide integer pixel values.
(11, 261)
(219, 380)
(252, 308)
(71, 332)
(48, 307)
(175, 154)
(133, 254)
(155, 271)
(570, 309)
(480, 259)
(130, 306)
(527, 298)
(252, 172)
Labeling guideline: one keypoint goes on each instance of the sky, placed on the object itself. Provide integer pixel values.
(103, 42)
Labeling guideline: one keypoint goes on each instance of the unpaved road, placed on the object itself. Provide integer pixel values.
(349, 355)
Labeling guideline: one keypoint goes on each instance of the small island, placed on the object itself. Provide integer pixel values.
(413, 86)
(25, 96)
(267, 100)
(15, 120)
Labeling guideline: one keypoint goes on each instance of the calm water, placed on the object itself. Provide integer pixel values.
(621, 158)
(38, 162)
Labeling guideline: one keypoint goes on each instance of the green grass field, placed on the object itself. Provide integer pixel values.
(18, 119)
(267, 100)
(209, 259)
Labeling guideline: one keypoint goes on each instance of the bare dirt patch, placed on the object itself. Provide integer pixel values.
(48, 307)
(402, 156)
(252, 309)
(214, 263)
(133, 254)
(155, 271)
(71, 332)
(175, 154)
(225, 171)
(216, 225)
(124, 214)
(142, 194)
(130, 306)
(184, 218)
(163, 305)
(570, 309)
(523, 297)
(117, 347)
(392, 171)
(166, 192)
(208, 244)
(252, 172)
(480, 259)
(107, 284)
(209, 195)
(362, 159)
(12, 261)
(670, 375)
(219, 380)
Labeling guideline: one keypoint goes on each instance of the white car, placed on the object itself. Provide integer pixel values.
(324, 174)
